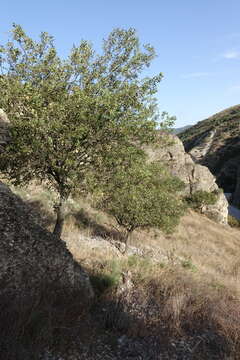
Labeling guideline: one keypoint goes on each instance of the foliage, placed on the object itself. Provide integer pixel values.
(69, 114)
(233, 222)
(142, 195)
(109, 277)
(187, 264)
(102, 282)
(201, 198)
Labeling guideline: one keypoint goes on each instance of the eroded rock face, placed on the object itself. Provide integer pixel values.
(195, 176)
(31, 257)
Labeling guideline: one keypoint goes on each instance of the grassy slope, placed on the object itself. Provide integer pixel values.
(194, 288)
(225, 122)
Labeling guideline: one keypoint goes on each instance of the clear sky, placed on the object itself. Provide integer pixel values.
(197, 42)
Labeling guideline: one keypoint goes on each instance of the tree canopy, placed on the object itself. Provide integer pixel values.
(68, 114)
(142, 195)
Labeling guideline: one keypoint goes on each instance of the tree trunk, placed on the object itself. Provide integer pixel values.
(60, 218)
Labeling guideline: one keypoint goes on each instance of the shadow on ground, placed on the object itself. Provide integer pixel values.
(85, 220)
(82, 218)
(57, 320)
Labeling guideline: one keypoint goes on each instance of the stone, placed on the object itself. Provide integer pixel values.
(31, 257)
(219, 211)
(195, 176)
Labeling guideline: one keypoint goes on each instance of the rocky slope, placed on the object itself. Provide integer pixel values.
(215, 143)
(44, 293)
(37, 275)
(31, 257)
(195, 176)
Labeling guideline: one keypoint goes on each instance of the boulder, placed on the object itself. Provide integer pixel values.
(196, 177)
(32, 258)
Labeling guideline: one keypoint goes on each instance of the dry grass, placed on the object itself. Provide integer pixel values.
(214, 249)
(196, 297)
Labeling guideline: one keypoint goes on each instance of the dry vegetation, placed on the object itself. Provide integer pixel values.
(185, 285)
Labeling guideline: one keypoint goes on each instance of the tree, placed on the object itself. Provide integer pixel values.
(69, 114)
(142, 195)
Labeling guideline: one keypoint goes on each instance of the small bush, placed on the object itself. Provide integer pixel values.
(200, 198)
(233, 222)
(108, 278)
(102, 282)
(187, 264)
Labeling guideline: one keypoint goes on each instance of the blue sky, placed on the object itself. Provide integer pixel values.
(197, 42)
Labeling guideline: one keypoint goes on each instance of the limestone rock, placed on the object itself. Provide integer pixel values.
(30, 256)
(196, 177)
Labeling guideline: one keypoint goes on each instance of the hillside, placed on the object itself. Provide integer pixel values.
(177, 131)
(215, 143)
(168, 297)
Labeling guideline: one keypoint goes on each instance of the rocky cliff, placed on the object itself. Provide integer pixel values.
(215, 143)
(31, 257)
(196, 177)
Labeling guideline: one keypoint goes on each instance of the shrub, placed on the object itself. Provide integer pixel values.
(201, 198)
(187, 264)
(102, 282)
(109, 278)
(233, 222)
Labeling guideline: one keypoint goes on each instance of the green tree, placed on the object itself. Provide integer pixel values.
(68, 114)
(142, 195)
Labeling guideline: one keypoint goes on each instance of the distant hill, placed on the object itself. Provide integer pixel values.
(181, 129)
(215, 142)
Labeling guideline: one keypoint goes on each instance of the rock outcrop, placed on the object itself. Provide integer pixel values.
(196, 177)
(31, 257)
